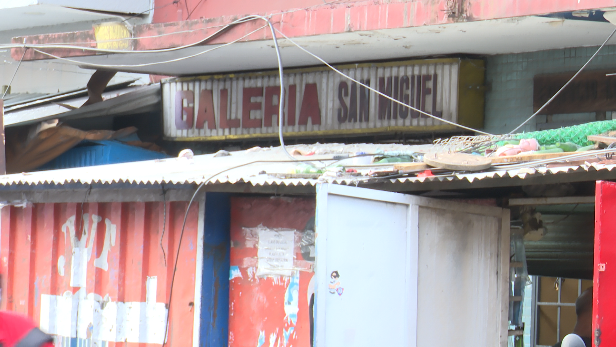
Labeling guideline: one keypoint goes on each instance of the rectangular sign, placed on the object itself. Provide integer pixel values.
(320, 101)
(591, 91)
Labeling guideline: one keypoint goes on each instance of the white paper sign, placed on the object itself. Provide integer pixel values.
(275, 254)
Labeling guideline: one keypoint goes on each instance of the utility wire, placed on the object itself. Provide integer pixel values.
(162, 50)
(14, 74)
(378, 92)
(147, 64)
(566, 84)
(193, 10)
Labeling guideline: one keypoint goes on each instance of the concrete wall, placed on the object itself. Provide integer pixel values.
(509, 80)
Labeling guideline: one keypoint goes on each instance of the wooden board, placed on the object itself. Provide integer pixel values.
(602, 138)
(411, 166)
(458, 161)
(531, 156)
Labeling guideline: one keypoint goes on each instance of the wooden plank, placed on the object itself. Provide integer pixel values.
(458, 161)
(601, 138)
(530, 157)
(552, 201)
(411, 166)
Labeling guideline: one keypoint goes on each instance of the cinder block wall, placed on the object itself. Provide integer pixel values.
(509, 80)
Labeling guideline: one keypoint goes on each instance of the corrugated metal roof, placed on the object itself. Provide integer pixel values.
(123, 101)
(268, 166)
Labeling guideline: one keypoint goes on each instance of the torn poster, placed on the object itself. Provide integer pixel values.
(275, 254)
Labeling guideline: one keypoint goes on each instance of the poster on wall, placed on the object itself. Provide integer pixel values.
(271, 290)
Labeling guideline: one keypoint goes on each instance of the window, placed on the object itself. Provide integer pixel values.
(554, 308)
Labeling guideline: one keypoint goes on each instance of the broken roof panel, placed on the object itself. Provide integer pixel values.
(127, 100)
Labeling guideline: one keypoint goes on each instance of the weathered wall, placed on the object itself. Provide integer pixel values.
(269, 300)
(509, 81)
(101, 271)
(428, 11)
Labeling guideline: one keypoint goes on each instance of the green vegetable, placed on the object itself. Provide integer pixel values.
(567, 146)
(551, 150)
(587, 148)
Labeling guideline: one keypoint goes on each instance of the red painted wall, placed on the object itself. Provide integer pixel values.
(604, 278)
(266, 310)
(425, 12)
(125, 267)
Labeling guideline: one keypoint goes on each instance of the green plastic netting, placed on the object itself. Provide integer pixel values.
(576, 134)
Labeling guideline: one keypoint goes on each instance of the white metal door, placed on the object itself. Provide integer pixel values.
(400, 270)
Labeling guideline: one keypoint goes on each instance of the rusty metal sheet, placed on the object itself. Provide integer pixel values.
(271, 275)
(100, 273)
(320, 101)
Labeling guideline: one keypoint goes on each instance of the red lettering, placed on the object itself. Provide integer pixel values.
(270, 109)
(291, 104)
(205, 113)
(248, 106)
(184, 114)
(310, 106)
(226, 123)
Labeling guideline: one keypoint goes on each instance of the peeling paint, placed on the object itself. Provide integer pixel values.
(291, 301)
(96, 319)
(261, 339)
(286, 334)
(234, 272)
(272, 339)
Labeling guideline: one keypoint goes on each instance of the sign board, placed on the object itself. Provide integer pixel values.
(589, 92)
(321, 102)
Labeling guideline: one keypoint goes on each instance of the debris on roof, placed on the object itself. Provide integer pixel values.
(465, 160)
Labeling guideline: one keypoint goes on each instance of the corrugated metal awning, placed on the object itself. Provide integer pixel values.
(128, 100)
(268, 167)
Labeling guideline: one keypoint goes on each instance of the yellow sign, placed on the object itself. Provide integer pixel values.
(112, 36)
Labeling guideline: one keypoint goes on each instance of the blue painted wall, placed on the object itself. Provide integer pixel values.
(215, 285)
(509, 97)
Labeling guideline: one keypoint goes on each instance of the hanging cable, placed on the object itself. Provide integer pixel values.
(281, 98)
(14, 74)
(147, 64)
(378, 92)
(566, 84)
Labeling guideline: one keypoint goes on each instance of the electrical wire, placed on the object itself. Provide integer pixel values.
(147, 64)
(193, 10)
(119, 51)
(378, 92)
(14, 74)
(281, 98)
(566, 84)
(177, 255)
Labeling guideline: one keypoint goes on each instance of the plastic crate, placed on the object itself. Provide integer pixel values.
(92, 153)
